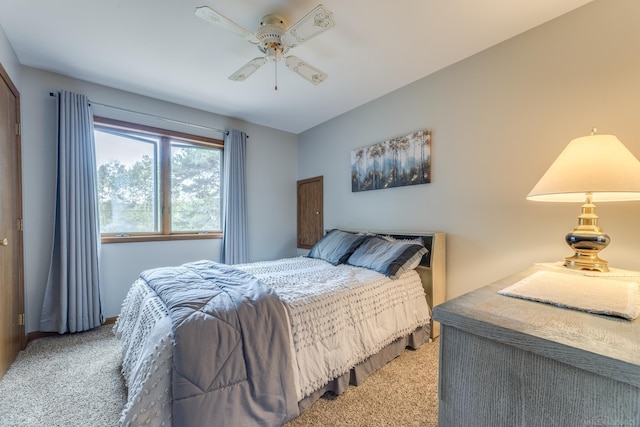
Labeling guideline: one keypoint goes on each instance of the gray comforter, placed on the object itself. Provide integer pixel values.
(232, 363)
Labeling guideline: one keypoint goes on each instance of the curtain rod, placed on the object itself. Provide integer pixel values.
(155, 117)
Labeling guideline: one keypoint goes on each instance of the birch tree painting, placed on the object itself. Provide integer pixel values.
(405, 160)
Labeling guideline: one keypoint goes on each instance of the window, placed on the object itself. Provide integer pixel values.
(155, 184)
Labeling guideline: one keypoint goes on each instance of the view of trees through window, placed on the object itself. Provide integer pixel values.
(128, 182)
(195, 187)
(138, 192)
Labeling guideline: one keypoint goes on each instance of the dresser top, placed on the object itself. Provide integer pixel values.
(605, 345)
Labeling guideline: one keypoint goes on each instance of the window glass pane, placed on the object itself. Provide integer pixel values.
(127, 181)
(195, 187)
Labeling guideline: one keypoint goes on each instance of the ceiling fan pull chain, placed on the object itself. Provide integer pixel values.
(276, 65)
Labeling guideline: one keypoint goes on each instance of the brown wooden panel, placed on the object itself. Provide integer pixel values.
(11, 267)
(310, 211)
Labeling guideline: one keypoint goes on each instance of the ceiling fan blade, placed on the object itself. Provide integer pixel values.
(313, 23)
(210, 15)
(307, 71)
(247, 69)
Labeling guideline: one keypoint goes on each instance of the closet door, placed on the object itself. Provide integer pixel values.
(11, 268)
(310, 214)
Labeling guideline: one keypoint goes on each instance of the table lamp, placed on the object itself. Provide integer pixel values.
(595, 168)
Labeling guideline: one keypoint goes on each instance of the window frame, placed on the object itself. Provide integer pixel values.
(164, 193)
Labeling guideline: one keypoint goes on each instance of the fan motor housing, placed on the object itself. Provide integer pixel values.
(272, 27)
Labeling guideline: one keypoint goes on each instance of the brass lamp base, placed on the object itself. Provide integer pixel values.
(587, 239)
(586, 248)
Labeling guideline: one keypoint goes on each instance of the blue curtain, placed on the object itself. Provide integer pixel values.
(234, 215)
(72, 297)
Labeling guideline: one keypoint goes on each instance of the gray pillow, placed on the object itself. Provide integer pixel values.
(336, 246)
(389, 258)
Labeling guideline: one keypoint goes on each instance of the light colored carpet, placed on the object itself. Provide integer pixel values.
(404, 392)
(74, 380)
(66, 380)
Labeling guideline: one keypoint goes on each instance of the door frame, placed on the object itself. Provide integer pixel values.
(318, 180)
(18, 185)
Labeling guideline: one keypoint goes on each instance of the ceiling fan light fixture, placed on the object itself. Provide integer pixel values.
(273, 53)
(274, 39)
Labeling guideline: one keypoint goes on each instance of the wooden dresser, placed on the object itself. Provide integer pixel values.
(510, 362)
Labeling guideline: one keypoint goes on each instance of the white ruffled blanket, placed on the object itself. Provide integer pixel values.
(146, 338)
(340, 315)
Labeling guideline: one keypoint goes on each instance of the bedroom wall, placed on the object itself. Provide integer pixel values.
(10, 63)
(8, 59)
(271, 191)
(499, 119)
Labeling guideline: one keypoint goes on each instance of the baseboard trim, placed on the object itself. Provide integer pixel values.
(31, 336)
(37, 334)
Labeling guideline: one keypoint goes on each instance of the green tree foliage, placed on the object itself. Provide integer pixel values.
(195, 188)
(128, 195)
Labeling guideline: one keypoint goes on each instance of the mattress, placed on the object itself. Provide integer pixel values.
(340, 316)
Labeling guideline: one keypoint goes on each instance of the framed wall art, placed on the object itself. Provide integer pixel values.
(405, 160)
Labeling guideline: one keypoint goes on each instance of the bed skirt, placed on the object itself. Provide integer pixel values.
(358, 374)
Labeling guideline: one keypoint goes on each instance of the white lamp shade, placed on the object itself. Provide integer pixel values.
(596, 164)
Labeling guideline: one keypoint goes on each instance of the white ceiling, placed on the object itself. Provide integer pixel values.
(162, 50)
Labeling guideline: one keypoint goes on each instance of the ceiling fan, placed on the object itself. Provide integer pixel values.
(274, 39)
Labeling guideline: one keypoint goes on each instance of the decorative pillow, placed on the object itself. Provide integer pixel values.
(416, 240)
(336, 246)
(389, 258)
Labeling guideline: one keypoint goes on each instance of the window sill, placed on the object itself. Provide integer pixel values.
(107, 239)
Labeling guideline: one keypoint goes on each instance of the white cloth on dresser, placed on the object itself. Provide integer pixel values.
(580, 292)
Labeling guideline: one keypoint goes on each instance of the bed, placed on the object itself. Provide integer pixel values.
(256, 344)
